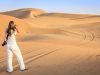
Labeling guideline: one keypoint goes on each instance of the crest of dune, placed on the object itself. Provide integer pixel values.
(24, 13)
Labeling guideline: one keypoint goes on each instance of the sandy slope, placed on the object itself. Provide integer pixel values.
(22, 25)
(56, 44)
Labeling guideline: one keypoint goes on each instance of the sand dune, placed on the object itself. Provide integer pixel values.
(54, 43)
(24, 13)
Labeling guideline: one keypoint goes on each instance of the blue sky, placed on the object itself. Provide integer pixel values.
(68, 6)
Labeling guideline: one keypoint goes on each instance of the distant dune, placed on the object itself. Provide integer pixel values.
(54, 43)
(24, 13)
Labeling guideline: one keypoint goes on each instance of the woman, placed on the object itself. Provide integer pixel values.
(12, 47)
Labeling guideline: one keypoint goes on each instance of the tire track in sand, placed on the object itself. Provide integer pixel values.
(38, 56)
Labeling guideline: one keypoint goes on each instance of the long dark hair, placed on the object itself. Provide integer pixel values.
(10, 27)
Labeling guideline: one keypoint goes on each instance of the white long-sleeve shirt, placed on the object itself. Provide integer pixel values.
(12, 39)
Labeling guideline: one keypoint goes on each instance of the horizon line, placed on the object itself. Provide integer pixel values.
(81, 13)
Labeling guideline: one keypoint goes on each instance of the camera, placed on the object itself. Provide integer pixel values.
(4, 43)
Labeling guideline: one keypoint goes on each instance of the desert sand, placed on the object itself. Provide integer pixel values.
(53, 43)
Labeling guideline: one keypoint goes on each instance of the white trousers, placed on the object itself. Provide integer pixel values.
(14, 49)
